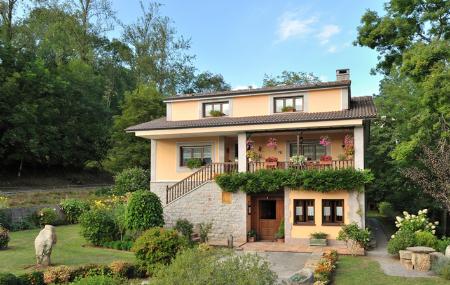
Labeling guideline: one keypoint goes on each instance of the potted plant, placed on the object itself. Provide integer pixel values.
(318, 239)
(215, 113)
(288, 109)
(251, 235)
(349, 148)
(271, 162)
(298, 159)
(193, 163)
(280, 233)
(326, 160)
(252, 155)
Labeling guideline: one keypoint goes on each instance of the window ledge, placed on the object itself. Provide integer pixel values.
(333, 224)
(304, 224)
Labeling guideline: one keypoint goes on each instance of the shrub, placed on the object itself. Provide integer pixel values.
(73, 208)
(119, 244)
(5, 219)
(425, 239)
(205, 228)
(4, 238)
(414, 223)
(386, 209)
(280, 231)
(442, 244)
(158, 246)
(195, 266)
(98, 227)
(193, 163)
(103, 191)
(33, 278)
(99, 280)
(58, 274)
(355, 233)
(131, 180)
(184, 227)
(144, 211)
(47, 216)
(122, 269)
(400, 241)
(89, 270)
(319, 235)
(9, 279)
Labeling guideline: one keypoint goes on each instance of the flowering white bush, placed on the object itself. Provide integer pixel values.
(415, 223)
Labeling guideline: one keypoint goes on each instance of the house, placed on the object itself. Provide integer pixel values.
(253, 129)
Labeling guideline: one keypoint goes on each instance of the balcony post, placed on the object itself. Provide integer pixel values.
(359, 147)
(242, 152)
(357, 200)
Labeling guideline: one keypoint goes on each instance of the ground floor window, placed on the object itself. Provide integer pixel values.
(201, 152)
(311, 150)
(303, 211)
(333, 212)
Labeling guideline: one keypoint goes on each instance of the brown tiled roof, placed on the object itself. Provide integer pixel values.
(360, 108)
(256, 91)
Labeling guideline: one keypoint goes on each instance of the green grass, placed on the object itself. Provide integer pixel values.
(362, 270)
(19, 257)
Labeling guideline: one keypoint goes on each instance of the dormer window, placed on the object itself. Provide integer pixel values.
(216, 109)
(288, 104)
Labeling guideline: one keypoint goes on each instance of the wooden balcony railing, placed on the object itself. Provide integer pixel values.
(201, 176)
(334, 164)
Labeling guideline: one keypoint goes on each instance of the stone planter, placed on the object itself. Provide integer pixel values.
(251, 239)
(280, 240)
(318, 242)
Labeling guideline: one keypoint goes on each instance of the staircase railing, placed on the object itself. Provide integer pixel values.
(204, 174)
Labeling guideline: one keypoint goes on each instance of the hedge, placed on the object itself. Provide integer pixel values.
(266, 181)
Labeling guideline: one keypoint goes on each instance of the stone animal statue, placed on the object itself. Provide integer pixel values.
(43, 245)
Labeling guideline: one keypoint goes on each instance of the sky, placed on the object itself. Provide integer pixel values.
(243, 40)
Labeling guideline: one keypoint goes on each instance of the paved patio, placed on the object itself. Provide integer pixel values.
(262, 246)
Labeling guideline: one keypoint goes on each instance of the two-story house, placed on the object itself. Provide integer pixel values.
(252, 129)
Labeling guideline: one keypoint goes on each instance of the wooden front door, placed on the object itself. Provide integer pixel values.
(268, 216)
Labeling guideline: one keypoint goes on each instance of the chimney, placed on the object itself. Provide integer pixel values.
(342, 74)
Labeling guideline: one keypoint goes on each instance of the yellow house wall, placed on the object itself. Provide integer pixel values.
(324, 100)
(301, 231)
(250, 106)
(185, 110)
(167, 161)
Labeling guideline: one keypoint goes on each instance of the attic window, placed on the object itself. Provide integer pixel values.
(288, 104)
(214, 109)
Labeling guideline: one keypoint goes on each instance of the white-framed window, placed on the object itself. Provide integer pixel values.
(222, 107)
(284, 104)
(202, 152)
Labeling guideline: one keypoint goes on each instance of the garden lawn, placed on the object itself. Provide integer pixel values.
(68, 251)
(361, 270)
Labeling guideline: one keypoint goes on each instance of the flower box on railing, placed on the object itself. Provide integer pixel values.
(271, 162)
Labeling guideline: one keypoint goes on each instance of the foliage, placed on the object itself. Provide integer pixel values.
(413, 223)
(253, 155)
(325, 266)
(288, 109)
(206, 82)
(251, 233)
(119, 244)
(8, 279)
(386, 209)
(4, 203)
(195, 266)
(131, 180)
(4, 238)
(184, 227)
(442, 244)
(298, 159)
(73, 208)
(144, 210)
(400, 241)
(314, 180)
(58, 274)
(98, 280)
(425, 239)
(193, 163)
(280, 231)
(5, 219)
(319, 235)
(32, 278)
(216, 113)
(48, 216)
(290, 78)
(352, 232)
(98, 226)
(205, 228)
(158, 246)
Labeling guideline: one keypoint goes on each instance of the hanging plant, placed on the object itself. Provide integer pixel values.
(250, 144)
(349, 148)
(272, 143)
(298, 159)
(325, 141)
(253, 155)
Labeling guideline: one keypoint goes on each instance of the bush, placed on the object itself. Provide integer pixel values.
(33, 278)
(280, 231)
(442, 244)
(355, 233)
(144, 211)
(119, 244)
(9, 279)
(400, 241)
(98, 227)
(414, 223)
(158, 246)
(5, 219)
(193, 163)
(194, 266)
(73, 208)
(99, 280)
(386, 209)
(48, 216)
(205, 228)
(58, 274)
(425, 239)
(131, 180)
(4, 238)
(89, 270)
(103, 191)
(184, 227)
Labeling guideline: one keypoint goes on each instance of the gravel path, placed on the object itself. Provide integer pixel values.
(390, 265)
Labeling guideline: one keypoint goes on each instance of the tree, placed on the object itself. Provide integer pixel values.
(6, 16)
(208, 82)
(290, 78)
(143, 104)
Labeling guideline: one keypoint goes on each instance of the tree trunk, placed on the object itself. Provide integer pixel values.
(20, 168)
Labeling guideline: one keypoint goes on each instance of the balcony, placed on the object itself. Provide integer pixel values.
(253, 166)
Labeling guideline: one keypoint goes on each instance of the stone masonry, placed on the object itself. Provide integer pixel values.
(204, 205)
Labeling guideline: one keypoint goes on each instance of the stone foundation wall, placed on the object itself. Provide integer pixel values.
(204, 205)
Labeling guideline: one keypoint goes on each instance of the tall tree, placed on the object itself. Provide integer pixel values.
(208, 82)
(6, 16)
(290, 78)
